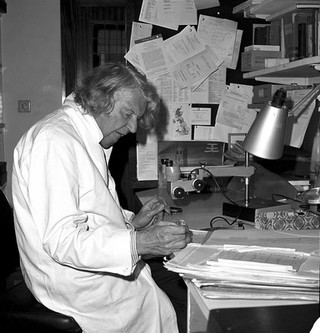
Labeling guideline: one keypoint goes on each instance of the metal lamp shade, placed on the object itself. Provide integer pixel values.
(266, 136)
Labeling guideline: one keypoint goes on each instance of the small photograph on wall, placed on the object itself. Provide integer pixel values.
(179, 122)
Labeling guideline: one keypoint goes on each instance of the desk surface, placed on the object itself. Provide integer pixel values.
(198, 209)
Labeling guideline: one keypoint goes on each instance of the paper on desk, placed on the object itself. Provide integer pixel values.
(219, 292)
(238, 264)
(201, 262)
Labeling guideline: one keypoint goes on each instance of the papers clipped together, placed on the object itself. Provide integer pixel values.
(239, 271)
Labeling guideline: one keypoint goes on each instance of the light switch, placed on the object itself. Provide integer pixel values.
(24, 105)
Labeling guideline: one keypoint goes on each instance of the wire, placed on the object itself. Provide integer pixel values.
(215, 180)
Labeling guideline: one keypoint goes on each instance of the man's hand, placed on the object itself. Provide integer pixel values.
(163, 238)
(151, 211)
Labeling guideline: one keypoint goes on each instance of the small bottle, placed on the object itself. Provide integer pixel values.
(162, 176)
(315, 159)
(173, 172)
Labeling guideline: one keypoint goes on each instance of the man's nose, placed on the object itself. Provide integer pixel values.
(133, 124)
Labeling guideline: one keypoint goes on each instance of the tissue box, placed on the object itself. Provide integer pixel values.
(286, 220)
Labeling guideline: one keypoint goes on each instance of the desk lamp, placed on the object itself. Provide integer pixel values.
(265, 139)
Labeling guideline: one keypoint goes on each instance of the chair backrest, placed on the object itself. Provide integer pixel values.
(8, 244)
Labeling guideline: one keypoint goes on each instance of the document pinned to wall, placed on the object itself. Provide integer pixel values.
(207, 133)
(200, 116)
(236, 49)
(196, 68)
(188, 13)
(152, 58)
(220, 34)
(139, 31)
(233, 112)
(169, 90)
(203, 4)
(168, 13)
(183, 45)
(147, 159)
(297, 127)
(217, 84)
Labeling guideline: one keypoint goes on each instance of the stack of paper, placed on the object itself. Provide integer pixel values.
(237, 271)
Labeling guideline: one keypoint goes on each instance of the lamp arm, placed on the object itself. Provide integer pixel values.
(302, 105)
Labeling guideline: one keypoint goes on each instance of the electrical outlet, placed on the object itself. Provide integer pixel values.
(24, 105)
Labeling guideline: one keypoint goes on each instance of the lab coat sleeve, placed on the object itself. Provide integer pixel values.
(78, 219)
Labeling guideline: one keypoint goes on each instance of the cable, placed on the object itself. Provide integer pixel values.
(215, 180)
(219, 187)
(225, 220)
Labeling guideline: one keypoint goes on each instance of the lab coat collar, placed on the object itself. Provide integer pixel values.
(86, 119)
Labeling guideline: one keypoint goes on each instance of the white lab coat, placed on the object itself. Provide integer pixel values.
(71, 232)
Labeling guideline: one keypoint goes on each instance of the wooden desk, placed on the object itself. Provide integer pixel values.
(219, 316)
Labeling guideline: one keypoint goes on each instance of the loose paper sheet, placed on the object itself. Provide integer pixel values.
(202, 4)
(220, 34)
(200, 116)
(196, 68)
(138, 31)
(168, 13)
(296, 132)
(233, 110)
(183, 45)
(152, 56)
(147, 159)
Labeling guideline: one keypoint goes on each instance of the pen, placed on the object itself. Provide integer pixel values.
(175, 210)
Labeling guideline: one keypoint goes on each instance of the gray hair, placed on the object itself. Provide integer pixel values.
(96, 92)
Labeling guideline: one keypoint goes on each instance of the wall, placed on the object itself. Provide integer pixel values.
(31, 54)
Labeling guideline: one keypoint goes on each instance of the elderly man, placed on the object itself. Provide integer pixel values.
(80, 250)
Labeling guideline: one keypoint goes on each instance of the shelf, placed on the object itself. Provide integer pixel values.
(267, 8)
(300, 72)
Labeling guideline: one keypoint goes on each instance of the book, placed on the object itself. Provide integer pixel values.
(261, 34)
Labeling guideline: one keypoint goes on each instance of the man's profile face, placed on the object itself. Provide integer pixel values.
(123, 119)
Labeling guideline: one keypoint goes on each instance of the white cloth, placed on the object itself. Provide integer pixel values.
(316, 327)
(71, 232)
